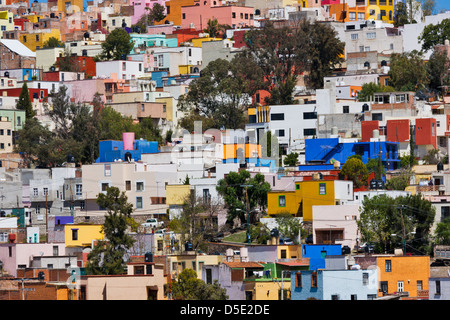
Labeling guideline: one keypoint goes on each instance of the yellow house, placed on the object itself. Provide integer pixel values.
(82, 235)
(197, 42)
(307, 194)
(178, 263)
(169, 103)
(177, 193)
(407, 274)
(6, 21)
(239, 150)
(36, 39)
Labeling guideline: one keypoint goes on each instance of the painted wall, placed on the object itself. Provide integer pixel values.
(86, 233)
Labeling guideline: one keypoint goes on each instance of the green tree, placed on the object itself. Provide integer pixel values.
(375, 165)
(355, 170)
(24, 102)
(442, 232)
(408, 71)
(237, 187)
(32, 143)
(214, 29)
(388, 221)
(260, 233)
(401, 15)
(53, 42)
(108, 256)
(189, 287)
(437, 69)
(291, 159)
(290, 227)
(434, 34)
(428, 7)
(401, 181)
(117, 46)
(281, 54)
(368, 89)
(217, 98)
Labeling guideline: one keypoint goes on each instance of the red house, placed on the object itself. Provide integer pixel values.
(367, 128)
(398, 130)
(426, 132)
(83, 64)
(40, 94)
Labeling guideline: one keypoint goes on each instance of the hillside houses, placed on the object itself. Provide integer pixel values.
(122, 125)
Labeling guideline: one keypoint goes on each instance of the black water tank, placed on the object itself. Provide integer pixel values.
(274, 233)
(188, 246)
(149, 257)
(41, 275)
(440, 166)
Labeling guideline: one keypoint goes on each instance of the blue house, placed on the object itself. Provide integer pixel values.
(113, 150)
(317, 253)
(327, 150)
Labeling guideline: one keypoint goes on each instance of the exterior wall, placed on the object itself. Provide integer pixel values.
(408, 269)
(200, 13)
(21, 254)
(367, 128)
(85, 234)
(173, 9)
(317, 254)
(6, 136)
(124, 287)
(426, 132)
(348, 283)
(398, 130)
(444, 283)
(36, 39)
(175, 194)
(343, 219)
(46, 57)
(306, 291)
(126, 70)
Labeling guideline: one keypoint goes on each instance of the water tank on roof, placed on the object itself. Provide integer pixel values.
(274, 233)
(188, 246)
(148, 257)
(440, 166)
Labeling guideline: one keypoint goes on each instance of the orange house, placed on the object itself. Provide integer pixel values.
(408, 274)
(173, 11)
(343, 13)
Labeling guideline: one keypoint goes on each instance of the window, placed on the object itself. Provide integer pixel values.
(74, 234)
(35, 192)
(352, 16)
(282, 201)
(387, 266)
(283, 254)
(297, 186)
(233, 15)
(371, 35)
(438, 287)
(309, 132)
(138, 202)
(377, 116)
(79, 189)
(322, 188)
(353, 297)
(184, 16)
(280, 133)
(127, 185)
(105, 186)
(345, 109)
(365, 278)
(107, 170)
(140, 186)
(45, 191)
(361, 16)
(384, 287)
(400, 286)
(314, 282)
(445, 213)
(419, 285)
(309, 115)
(277, 116)
(298, 280)
(354, 36)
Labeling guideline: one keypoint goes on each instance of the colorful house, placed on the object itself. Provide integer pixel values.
(334, 285)
(82, 235)
(197, 15)
(404, 274)
(327, 150)
(317, 254)
(307, 194)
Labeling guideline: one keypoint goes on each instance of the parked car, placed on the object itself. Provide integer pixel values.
(366, 248)
(153, 223)
(286, 241)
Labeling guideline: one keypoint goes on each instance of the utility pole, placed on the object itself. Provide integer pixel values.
(46, 217)
(403, 230)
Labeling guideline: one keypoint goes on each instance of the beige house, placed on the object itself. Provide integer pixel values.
(192, 260)
(46, 57)
(143, 184)
(6, 135)
(143, 281)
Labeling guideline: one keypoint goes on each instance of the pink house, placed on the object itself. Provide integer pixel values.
(204, 10)
(139, 8)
